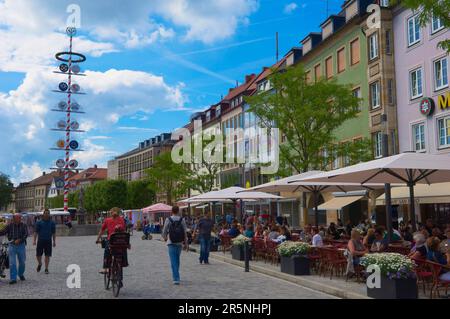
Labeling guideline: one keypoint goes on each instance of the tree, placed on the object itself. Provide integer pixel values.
(139, 194)
(429, 9)
(6, 189)
(308, 115)
(169, 178)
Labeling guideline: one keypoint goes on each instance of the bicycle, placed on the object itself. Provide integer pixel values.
(4, 259)
(118, 244)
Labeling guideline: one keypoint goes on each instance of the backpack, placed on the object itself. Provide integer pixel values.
(176, 231)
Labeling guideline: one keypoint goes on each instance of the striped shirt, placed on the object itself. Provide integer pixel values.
(16, 231)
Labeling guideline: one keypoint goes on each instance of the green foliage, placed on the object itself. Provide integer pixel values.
(308, 115)
(169, 178)
(6, 189)
(140, 194)
(229, 180)
(104, 195)
(430, 8)
(58, 201)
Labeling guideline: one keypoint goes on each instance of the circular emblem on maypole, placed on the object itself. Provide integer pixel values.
(60, 144)
(75, 69)
(75, 88)
(61, 124)
(62, 105)
(73, 164)
(74, 145)
(63, 86)
(60, 163)
(64, 68)
(71, 31)
(74, 125)
(426, 106)
(75, 106)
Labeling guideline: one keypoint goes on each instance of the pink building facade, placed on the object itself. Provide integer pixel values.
(422, 79)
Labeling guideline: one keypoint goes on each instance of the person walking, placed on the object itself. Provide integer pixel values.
(175, 233)
(204, 227)
(44, 233)
(17, 234)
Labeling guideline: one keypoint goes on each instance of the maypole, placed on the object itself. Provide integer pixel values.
(70, 67)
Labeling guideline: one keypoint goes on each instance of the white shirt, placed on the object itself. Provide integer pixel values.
(317, 240)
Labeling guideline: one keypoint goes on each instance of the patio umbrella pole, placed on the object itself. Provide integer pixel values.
(387, 191)
(412, 208)
(316, 209)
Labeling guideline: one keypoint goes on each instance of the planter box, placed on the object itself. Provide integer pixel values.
(295, 265)
(394, 289)
(237, 253)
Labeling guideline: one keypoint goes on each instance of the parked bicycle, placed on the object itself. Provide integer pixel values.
(118, 245)
(4, 259)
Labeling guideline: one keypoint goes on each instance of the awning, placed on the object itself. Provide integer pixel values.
(339, 202)
(423, 194)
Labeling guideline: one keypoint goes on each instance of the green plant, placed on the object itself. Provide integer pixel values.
(392, 265)
(293, 248)
(240, 240)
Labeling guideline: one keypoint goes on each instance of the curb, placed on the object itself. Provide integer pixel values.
(301, 281)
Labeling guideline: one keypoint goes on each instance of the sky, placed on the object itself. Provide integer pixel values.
(150, 65)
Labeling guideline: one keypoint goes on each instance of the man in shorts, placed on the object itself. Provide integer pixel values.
(45, 231)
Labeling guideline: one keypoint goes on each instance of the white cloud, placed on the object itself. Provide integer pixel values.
(134, 128)
(27, 173)
(93, 155)
(291, 7)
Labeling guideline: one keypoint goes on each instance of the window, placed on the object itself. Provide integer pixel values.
(354, 52)
(413, 30)
(390, 91)
(436, 24)
(378, 144)
(341, 60)
(357, 94)
(208, 116)
(384, 3)
(444, 132)
(373, 46)
(440, 74)
(218, 109)
(375, 95)
(317, 72)
(415, 82)
(329, 67)
(388, 42)
(419, 137)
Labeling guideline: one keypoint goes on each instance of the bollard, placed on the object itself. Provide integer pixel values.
(246, 256)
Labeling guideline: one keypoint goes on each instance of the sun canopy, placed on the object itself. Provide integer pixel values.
(231, 193)
(423, 194)
(157, 208)
(339, 202)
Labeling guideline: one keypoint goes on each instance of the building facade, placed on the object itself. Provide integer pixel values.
(87, 178)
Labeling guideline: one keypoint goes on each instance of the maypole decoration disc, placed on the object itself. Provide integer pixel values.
(62, 105)
(74, 125)
(63, 86)
(60, 144)
(75, 69)
(60, 163)
(64, 68)
(75, 88)
(71, 31)
(61, 124)
(74, 145)
(73, 164)
(75, 106)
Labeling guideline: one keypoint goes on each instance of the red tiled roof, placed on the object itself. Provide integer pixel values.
(91, 174)
(46, 179)
(240, 89)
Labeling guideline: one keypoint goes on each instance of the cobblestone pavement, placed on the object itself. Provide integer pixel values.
(148, 276)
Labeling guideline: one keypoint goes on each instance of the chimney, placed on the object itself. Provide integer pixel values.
(43, 174)
(95, 166)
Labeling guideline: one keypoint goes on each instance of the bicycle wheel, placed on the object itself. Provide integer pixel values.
(107, 279)
(116, 277)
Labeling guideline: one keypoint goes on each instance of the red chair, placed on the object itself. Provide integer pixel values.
(423, 272)
(259, 249)
(225, 243)
(337, 263)
(314, 258)
(271, 252)
(438, 283)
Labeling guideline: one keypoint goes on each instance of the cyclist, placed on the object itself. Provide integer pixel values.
(111, 224)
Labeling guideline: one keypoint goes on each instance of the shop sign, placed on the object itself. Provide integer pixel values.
(426, 106)
(444, 101)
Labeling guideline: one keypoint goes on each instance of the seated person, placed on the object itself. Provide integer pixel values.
(369, 238)
(234, 231)
(249, 233)
(446, 242)
(356, 247)
(317, 238)
(224, 230)
(273, 233)
(419, 250)
(380, 244)
(284, 235)
(259, 232)
(332, 232)
(435, 255)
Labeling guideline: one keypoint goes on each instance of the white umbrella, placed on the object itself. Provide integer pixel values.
(231, 193)
(406, 168)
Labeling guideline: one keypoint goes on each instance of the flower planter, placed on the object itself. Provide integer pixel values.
(295, 265)
(237, 253)
(394, 289)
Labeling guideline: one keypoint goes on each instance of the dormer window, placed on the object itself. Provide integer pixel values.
(218, 109)
(208, 116)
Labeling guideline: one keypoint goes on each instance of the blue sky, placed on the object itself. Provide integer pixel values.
(150, 65)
